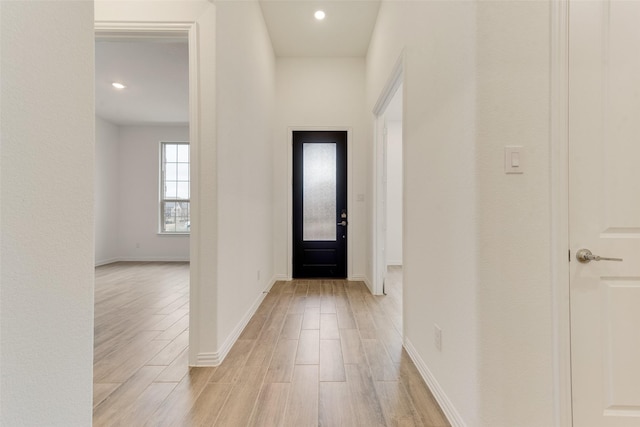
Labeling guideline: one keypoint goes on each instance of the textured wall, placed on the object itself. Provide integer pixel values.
(107, 191)
(47, 247)
(514, 286)
(138, 162)
(394, 193)
(246, 95)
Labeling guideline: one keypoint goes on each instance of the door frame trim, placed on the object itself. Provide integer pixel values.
(379, 216)
(350, 201)
(559, 204)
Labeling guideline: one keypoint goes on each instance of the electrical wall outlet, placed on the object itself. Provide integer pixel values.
(437, 337)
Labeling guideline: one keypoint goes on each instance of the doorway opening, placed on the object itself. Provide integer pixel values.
(392, 188)
(388, 210)
(142, 149)
(135, 219)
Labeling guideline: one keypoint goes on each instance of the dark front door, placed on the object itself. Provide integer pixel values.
(319, 204)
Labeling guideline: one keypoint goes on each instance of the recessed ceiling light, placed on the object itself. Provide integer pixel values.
(319, 15)
(118, 85)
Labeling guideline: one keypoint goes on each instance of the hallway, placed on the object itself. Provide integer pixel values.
(316, 352)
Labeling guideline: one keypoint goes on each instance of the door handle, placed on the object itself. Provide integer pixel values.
(343, 223)
(585, 256)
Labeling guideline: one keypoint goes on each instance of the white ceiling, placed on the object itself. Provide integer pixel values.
(345, 31)
(156, 72)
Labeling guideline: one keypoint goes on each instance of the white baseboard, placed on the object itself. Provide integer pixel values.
(361, 278)
(208, 359)
(142, 259)
(443, 400)
(215, 359)
(99, 263)
(155, 259)
(357, 278)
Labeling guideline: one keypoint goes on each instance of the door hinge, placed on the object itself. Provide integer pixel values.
(569, 255)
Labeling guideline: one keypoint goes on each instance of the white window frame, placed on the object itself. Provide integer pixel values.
(161, 190)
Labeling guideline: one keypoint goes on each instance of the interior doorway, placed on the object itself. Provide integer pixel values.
(176, 122)
(393, 172)
(388, 179)
(142, 149)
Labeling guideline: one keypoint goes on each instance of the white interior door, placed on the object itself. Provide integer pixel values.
(604, 206)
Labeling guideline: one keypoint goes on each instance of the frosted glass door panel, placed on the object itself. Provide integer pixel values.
(319, 189)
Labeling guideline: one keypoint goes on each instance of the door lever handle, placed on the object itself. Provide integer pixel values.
(343, 223)
(585, 256)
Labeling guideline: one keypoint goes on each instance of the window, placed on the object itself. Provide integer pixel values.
(174, 188)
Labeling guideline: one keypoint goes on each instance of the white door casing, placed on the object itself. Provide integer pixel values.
(394, 82)
(604, 211)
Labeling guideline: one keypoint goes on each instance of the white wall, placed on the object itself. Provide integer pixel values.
(394, 193)
(476, 79)
(46, 248)
(127, 192)
(314, 93)
(439, 257)
(514, 287)
(107, 192)
(138, 206)
(246, 96)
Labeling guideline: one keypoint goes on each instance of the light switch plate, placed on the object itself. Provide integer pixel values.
(513, 159)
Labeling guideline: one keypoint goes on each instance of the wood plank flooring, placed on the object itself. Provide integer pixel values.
(316, 353)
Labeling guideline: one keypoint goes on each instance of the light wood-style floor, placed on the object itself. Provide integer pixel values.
(316, 353)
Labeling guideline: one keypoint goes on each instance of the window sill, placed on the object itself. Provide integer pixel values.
(173, 233)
